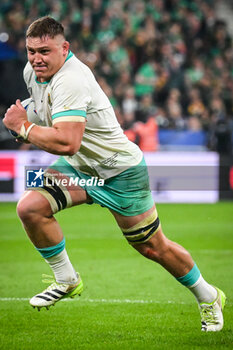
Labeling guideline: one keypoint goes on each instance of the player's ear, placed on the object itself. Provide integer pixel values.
(65, 46)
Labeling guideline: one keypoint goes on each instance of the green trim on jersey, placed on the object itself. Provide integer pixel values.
(71, 112)
(70, 54)
(44, 82)
(127, 193)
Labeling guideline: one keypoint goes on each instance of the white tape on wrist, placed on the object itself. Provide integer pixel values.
(25, 129)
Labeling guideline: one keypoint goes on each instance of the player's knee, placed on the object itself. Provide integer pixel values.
(24, 209)
(156, 248)
(154, 253)
(28, 210)
(149, 253)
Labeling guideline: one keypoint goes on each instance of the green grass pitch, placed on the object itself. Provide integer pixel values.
(128, 302)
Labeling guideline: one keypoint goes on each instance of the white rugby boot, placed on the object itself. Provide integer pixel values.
(55, 292)
(211, 313)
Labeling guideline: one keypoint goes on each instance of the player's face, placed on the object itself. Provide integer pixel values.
(46, 55)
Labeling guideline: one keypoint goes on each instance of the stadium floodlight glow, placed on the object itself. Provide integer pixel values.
(4, 37)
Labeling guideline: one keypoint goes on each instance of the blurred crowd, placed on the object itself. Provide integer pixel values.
(164, 64)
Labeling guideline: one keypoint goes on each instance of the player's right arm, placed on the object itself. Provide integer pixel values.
(63, 138)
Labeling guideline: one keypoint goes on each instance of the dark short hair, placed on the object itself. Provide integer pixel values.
(45, 26)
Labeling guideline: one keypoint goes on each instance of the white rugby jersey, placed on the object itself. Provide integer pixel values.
(73, 94)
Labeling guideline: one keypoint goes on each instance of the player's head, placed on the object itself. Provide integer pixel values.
(46, 47)
(45, 26)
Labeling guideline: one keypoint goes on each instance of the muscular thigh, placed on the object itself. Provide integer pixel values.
(77, 194)
(139, 229)
(55, 195)
(143, 231)
(129, 221)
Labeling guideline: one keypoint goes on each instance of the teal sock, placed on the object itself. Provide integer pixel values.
(57, 258)
(191, 277)
(51, 251)
(202, 290)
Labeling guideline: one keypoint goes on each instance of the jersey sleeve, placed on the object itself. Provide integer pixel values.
(28, 76)
(69, 98)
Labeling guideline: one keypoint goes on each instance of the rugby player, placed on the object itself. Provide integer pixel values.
(81, 127)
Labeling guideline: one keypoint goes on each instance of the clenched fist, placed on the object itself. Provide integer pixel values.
(15, 116)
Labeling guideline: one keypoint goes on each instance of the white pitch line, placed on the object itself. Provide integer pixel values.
(106, 301)
(126, 301)
(110, 301)
(13, 299)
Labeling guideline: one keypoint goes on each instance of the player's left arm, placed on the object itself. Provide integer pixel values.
(63, 138)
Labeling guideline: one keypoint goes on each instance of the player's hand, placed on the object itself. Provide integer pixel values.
(15, 116)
